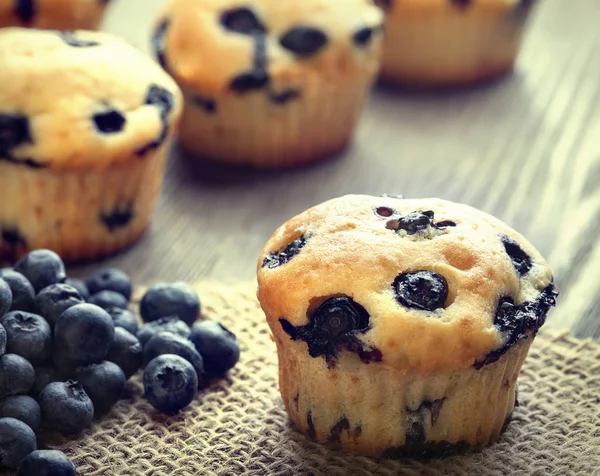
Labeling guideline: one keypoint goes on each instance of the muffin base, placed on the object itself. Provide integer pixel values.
(78, 214)
(376, 411)
(251, 129)
(450, 47)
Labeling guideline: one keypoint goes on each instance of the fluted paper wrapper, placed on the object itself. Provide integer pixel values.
(78, 214)
(251, 129)
(375, 410)
(427, 46)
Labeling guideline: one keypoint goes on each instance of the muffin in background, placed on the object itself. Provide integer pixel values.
(401, 325)
(85, 120)
(53, 14)
(451, 43)
(269, 83)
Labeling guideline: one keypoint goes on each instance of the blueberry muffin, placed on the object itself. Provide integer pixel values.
(269, 83)
(84, 124)
(401, 325)
(53, 14)
(448, 43)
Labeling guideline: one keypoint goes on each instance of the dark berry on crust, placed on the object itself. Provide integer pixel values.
(25, 10)
(334, 327)
(423, 290)
(284, 97)
(518, 321)
(119, 217)
(70, 39)
(336, 431)
(14, 132)
(384, 212)
(209, 105)
(520, 259)
(250, 80)
(304, 41)
(242, 20)
(462, 3)
(384, 4)
(109, 122)
(281, 257)
(158, 42)
(412, 222)
(311, 427)
(164, 101)
(363, 37)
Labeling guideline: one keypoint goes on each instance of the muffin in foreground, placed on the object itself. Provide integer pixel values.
(53, 14)
(269, 83)
(84, 124)
(449, 43)
(401, 325)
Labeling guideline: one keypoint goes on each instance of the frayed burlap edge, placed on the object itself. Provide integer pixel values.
(238, 426)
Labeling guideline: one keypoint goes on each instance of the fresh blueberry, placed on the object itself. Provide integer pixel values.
(42, 268)
(55, 299)
(5, 297)
(17, 440)
(126, 351)
(423, 290)
(64, 366)
(2, 340)
(107, 299)
(66, 407)
(104, 384)
(43, 376)
(28, 335)
(22, 290)
(16, 375)
(84, 332)
(46, 463)
(110, 279)
(22, 407)
(124, 318)
(175, 299)
(164, 324)
(169, 343)
(81, 287)
(217, 345)
(170, 383)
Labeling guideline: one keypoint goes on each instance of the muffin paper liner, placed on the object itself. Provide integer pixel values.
(78, 214)
(376, 410)
(251, 129)
(441, 47)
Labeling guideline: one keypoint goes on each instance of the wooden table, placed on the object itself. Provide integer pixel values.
(526, 149)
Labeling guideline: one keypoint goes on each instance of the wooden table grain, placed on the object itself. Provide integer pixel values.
(526, 149)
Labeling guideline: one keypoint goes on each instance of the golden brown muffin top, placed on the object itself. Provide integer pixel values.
(216, 46)
(423, 284)
(52, 14)
(80, 100)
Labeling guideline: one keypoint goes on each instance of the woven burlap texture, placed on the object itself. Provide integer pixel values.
(238, 426)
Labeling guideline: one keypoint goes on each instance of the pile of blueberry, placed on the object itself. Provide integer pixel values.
(67, 348)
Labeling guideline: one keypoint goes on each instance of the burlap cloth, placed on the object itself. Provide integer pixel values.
(238, 426)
